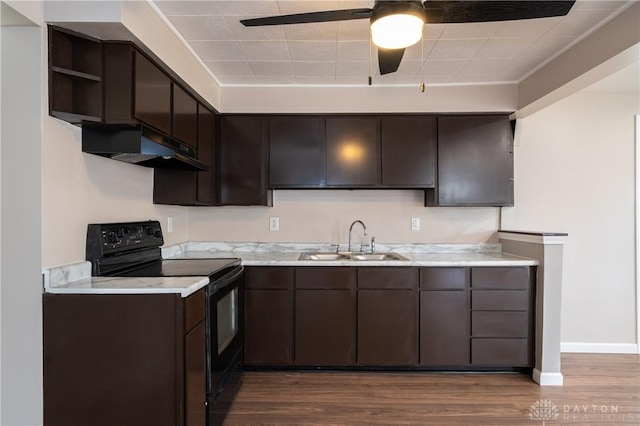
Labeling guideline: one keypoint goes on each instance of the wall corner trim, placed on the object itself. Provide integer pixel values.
(547, 379)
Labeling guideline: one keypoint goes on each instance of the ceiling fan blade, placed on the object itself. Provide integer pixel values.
(454, 11)
(306, 18)
(389, 60)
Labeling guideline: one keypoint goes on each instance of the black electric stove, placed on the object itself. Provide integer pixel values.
(132, 249)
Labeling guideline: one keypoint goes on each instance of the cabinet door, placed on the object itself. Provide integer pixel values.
(408, 151)
(296, 152)
(152, 102)
(195, 359)
(387, 327)
(444, 316)
(268, 316)
(243, 160)
(206, 153)
(353, 155)
(325, 327)
(475, 161)
(185, 117)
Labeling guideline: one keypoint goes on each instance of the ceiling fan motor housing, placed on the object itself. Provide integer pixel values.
(384, 8)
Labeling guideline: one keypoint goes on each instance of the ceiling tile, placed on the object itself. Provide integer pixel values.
(315, 31)
(272, 69)
(261, 8)
(202, 27)
(265, 50)
(224, 68)
(354, 30)
(433, 31)
(578, 22)
(353, 69)
(486, 66)
(599, 4)
(526, 27)
(436, 79)
(470, 30)
(520, 67)
(352, 51)
(188, 7)
(353, 80)
(218, 50)
(475, 78)
(271, 32)
(456, 49)
(355, 4)
(504, 47)
(435, 68)
(303, 6)
(548, 45)
(312, 69)
(312, 50)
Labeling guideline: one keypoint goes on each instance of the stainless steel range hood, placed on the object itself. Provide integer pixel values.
(140, 145)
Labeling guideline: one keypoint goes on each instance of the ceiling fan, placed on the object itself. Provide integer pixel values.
(397, 24)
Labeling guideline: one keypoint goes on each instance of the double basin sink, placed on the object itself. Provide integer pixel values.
(347, 256)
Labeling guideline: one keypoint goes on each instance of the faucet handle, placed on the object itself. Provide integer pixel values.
(373, 244)
(337, 246)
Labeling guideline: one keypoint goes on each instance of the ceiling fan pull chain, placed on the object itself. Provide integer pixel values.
(370, 79)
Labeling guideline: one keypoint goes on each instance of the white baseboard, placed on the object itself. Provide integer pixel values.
(599, 348)
(547, 379)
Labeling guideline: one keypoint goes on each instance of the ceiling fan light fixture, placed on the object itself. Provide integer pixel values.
(397, 25)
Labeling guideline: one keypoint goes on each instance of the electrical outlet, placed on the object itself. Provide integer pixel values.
(415, 223)
(274, 223)
(169, 224)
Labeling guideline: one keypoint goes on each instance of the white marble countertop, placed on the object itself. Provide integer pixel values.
(76, 278)
(285, 258)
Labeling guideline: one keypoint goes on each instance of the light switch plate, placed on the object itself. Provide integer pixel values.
(274, 223)
(415, 223)
(169, 224)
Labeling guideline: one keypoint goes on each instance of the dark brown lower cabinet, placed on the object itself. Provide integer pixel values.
(325, 316)
(123, 360)
(444, 317)
(268, 316)
(502, 320)
(387, 316)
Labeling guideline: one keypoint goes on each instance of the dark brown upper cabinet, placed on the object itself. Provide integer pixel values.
(475, 162)
(185, 116)
(152, 94)
(408, 150)
(186, 187)
(75, 77)
(296, 152)
(353, 158)
(244, 160)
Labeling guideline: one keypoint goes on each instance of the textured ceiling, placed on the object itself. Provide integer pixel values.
(338, 53)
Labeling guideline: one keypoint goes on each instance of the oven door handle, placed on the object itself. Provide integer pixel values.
(225, 280)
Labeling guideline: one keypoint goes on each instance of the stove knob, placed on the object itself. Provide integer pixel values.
(112, 238)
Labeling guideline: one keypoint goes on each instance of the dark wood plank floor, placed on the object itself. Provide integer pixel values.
(598, 389)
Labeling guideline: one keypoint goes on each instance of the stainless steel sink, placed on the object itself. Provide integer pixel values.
(351, 256)
(377, 256)
(325, 256)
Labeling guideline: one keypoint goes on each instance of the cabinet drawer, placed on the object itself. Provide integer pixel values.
(499, 324)
(504, 352)
(499, 278)
(268, 278)
(339, 277)
(194, 309)
(499, 300)
(443, 278)
(387, 278)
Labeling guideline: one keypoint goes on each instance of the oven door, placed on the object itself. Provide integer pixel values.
(224, 332)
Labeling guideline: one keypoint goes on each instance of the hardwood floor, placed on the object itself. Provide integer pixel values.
(598, 389)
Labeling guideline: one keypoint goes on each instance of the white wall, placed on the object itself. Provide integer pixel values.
(325, 216)
(20, 277)
(574, 172)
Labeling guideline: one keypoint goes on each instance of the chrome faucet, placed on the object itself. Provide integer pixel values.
(364, 228)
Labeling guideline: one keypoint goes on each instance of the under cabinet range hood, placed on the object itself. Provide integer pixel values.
(140, 145)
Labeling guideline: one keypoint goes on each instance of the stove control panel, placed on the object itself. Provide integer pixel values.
(119, 238)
